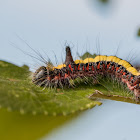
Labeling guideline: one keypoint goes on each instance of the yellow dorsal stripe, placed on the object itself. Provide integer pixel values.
(110, 58)
(138, 73)
(60, 66)
(103, 58)
(87, 60)
(124, 63)
(132, 70)
(78, 61)
(116, 59)
(98, 58)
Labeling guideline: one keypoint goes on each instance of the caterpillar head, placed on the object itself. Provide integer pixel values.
(42, 76)
(39, 75)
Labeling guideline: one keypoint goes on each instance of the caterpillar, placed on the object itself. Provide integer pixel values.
(101, 65)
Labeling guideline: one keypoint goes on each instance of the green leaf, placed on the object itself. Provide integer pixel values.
(18, 93)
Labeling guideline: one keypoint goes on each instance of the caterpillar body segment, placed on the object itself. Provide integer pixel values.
(90, 67)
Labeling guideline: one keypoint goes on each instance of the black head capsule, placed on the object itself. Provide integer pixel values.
(40, 75)
(41, 72)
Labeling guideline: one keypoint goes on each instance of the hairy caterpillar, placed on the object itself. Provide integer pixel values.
(101, 65)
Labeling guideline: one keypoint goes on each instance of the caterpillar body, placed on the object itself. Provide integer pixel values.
(102, 65)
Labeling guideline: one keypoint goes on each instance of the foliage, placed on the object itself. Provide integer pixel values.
(20, 94)
(87, 55)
